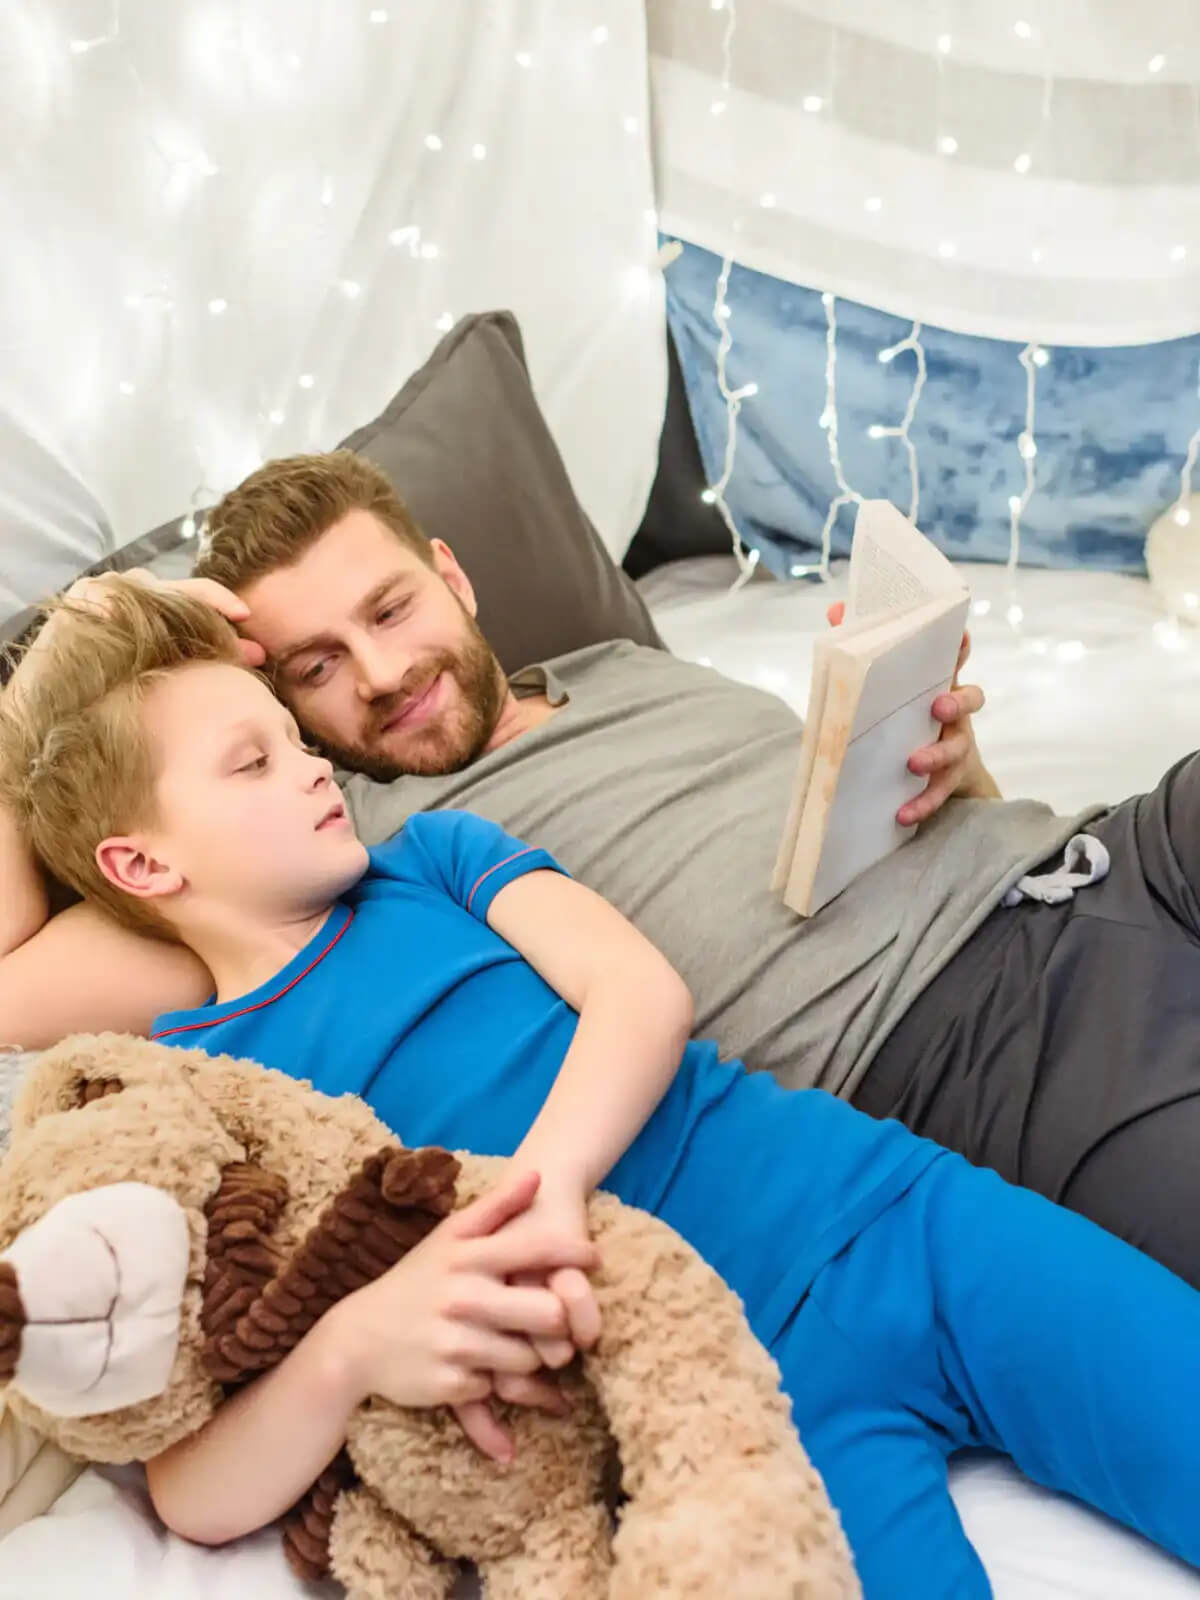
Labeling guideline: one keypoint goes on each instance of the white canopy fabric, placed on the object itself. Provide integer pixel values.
(1021, 169)
(233, 228)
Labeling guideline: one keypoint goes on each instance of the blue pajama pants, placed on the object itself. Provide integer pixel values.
(972, 1313)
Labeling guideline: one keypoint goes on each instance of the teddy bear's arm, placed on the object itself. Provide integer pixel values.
(722, 1498)
(377, 1556)
(392, 1202)
(309, 1524)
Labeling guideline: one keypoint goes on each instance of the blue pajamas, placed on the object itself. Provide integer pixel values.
(915, 1304)
(972, 1313)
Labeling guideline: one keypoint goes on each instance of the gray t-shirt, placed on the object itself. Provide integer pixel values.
(663, 786)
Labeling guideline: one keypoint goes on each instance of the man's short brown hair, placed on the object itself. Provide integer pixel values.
(76, 762)
(278, 512)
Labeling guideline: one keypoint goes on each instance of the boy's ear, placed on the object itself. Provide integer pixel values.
(129, 866)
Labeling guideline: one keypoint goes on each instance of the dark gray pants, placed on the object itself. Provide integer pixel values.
(1061, 1046)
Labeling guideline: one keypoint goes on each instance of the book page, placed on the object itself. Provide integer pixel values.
(808, 745)
(850, 822)
(893, 566)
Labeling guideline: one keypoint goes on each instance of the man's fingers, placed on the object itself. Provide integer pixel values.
(958, 703)
(540, 1393)
(931, 799)
(485, 1433)
(215, 595)
(252, 653)
(964, 652)
(579, 1301)
(492, 1210)
(952, 749)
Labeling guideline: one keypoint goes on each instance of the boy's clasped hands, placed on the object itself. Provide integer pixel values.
(497, 1294)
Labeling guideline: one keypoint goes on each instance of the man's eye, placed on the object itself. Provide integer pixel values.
(391, 612)
(314, 674)
(259, 764)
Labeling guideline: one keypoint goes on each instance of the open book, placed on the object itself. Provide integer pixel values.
(874, 680)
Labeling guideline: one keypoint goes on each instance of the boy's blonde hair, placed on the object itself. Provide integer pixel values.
(283, 508)
(76, 763)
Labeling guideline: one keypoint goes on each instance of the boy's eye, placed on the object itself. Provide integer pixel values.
(259, 764)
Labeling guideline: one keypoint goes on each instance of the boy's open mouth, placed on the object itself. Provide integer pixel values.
(335, 814)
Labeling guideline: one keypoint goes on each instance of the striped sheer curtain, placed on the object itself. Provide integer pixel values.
(1021, 169)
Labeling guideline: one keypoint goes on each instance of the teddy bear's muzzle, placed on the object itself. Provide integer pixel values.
(90, 1304)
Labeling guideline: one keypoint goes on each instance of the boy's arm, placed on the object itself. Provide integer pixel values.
(78, 972)
(635, 1017)
(444, 1326)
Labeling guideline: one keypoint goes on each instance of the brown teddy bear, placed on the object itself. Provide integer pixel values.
(171, 1224)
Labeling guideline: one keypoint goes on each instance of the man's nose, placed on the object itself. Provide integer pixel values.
(378, 671)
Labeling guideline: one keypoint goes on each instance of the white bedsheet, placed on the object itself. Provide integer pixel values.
(1061, 726)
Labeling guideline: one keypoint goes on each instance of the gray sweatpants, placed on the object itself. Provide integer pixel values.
(1061, 1046)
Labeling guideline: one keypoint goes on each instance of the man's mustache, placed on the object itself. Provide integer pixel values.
(415, 683)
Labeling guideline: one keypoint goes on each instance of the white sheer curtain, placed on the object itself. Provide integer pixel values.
(232, 228)
(1016, 168)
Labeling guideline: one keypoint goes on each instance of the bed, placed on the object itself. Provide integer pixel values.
(1091, 699)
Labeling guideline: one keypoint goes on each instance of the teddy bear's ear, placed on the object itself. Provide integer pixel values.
(89, 1067)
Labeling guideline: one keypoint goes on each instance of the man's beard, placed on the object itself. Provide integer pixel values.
(450, 740)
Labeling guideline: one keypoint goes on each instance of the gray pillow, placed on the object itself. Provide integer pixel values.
(467, 446)
(470, 453)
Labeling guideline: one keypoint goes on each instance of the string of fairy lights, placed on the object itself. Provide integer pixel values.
(1033, 356)
(191, 164)
(186, 164)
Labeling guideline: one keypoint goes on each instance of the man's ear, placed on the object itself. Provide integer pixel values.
(128, 864)
(452, 575)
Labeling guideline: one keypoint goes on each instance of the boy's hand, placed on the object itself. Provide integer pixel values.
(561, 1208)
(445, 1327)
(953, 765)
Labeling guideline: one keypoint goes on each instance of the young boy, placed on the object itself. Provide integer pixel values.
(477, 997)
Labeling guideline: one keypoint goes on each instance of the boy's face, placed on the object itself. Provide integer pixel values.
(248, 820)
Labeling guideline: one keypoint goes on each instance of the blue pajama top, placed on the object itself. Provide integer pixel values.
(407, 998)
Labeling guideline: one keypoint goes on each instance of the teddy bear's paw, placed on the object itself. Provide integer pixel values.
(423, 1178)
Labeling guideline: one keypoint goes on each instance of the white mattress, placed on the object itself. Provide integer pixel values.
(1062, 726)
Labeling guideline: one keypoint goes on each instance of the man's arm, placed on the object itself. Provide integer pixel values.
(78, 972)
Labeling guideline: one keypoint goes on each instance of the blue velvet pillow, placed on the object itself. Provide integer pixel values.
(1112, 427)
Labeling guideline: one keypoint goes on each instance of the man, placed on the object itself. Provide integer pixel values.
(664, 787)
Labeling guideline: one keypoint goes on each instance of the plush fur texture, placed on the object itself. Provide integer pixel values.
(293, 1198)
